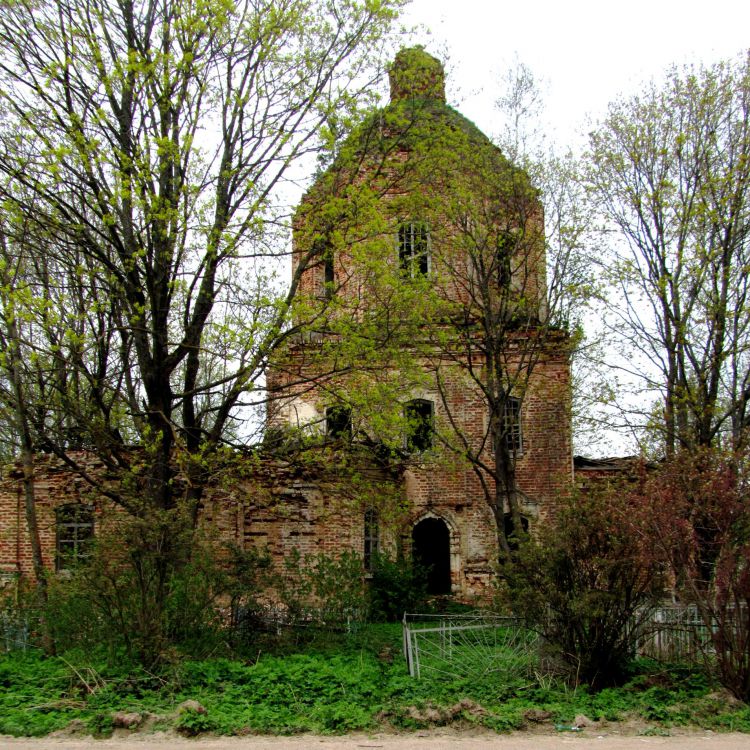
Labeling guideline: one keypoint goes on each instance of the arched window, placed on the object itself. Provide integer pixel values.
(414, 248)
(74, 530)
(420, 416)
(339, 422)
(371, 539)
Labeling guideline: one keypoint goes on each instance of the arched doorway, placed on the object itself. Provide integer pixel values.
(431, 550)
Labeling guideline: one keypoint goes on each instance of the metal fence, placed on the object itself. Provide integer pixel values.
(466, 645)
(479, 643)
(14, 631)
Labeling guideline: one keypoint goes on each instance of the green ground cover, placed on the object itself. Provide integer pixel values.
(334, 684)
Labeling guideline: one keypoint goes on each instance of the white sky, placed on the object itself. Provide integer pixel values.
(586, 52)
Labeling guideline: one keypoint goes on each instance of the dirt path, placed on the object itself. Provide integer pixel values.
(438, 740)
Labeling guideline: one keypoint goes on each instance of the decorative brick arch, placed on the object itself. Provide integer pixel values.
(454, 544)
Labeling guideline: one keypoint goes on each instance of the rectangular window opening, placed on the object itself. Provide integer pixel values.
(414, 248)
(512, 425)
(339, 422)
(420, 427)
(329, 278)
(74, 531)
(371, 539)
(324, 253)
(503, 254)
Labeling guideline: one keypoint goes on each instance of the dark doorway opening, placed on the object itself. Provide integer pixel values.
(431, 551)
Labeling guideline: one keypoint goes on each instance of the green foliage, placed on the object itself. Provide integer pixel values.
(350, 682)
(212, 600)
(670, 170)
(127, 599)
(101, 725)
(396, 586)
(192, 722)
(156, 316)
(333, 591)
(322, 589)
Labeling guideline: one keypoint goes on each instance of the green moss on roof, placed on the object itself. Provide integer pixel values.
(420, 122)
(416, 73)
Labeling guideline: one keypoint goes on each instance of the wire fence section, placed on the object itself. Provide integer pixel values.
(15, 632)
(466, 645)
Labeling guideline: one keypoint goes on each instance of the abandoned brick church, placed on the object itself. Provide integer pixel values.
(410, 193)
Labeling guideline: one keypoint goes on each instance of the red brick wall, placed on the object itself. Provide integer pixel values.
(448, 488)
(271, 507)
(54, 486)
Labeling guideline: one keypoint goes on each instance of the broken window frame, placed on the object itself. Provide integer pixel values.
(420, 425)
(74, 534)
(414, 256)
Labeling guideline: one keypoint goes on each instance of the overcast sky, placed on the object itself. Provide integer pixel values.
(587, 52)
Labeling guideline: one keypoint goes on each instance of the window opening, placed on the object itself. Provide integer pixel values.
(419, 425)
(74, 528)
(339, 422)
(503, 253)
(512, 425)
(414, 248)
(510, 530)
(328, 275)
(324, 252)
(372, 539)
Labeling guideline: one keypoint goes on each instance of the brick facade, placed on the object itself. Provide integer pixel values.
(278, 507)
(402, 162)
(268, 504)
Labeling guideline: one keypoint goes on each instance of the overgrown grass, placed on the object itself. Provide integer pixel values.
(335, 684)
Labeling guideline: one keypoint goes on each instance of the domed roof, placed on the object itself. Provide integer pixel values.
(417, 126)
(413, 73)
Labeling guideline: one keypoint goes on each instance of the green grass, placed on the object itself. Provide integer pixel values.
(336, 684)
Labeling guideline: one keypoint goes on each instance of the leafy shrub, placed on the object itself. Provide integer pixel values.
(342, 716)
(322, 589)
(191, 723)
(334, 590)
(338, 584)
(21, 622)
(588, 582)
(701, 522)
(101, 724)
(396, 586)
(133, 597)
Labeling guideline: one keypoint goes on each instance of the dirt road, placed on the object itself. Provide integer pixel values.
(438, 740)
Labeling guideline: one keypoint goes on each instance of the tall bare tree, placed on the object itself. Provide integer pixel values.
(670, 169)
